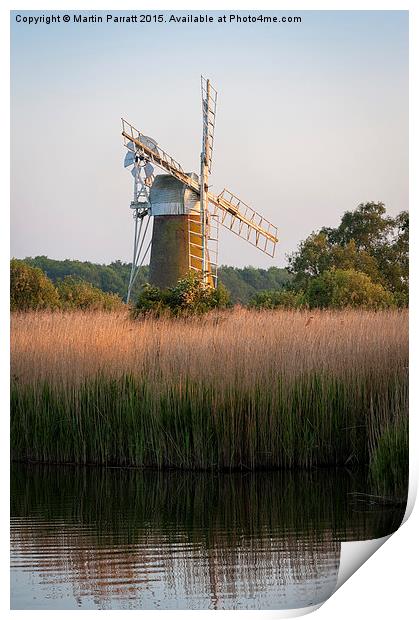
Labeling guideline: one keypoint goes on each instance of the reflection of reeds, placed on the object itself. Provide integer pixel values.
(240, 389)
(180, 573)
(117, 502)
(221, 537)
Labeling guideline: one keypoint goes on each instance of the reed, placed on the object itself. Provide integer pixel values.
(235, 389)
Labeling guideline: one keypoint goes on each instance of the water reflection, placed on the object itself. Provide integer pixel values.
(114, 538)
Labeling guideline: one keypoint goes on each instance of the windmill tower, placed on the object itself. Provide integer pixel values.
(186, 214)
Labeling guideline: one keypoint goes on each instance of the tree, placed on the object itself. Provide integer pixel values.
(311, 259)
(76, 294)
(339, 288)
(367, 241)
(113, 278)
(30, 288)
(278, 299)
(394, 259)
(243, 283)
(367, 225)
(348, 256)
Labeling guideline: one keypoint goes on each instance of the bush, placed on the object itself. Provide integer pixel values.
(278, 299)
(401, 299)
(187, 298)
(76, 294)
(30, 288)
(339, 288)
(152, 300)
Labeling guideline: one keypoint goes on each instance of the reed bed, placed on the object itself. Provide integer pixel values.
(236, 389)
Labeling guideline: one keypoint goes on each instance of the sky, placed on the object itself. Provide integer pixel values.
(312, 119)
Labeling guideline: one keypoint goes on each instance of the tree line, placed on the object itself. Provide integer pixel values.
(32, 289)
(242, 283)
(363, 262)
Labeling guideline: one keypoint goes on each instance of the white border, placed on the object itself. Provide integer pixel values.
(386, 586)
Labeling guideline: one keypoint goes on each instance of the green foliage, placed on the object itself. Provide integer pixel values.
(76, 294)
(389, 467)
(152, 301)
(112, 278)
(242, 284)
(196, 394)
(187, 298)
(286, 298)
(190, 296)
(367, 225)
(30, 289)
(128, 421)
(365, 241)
(339, 288)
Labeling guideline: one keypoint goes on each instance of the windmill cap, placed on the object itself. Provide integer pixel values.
(169, 196)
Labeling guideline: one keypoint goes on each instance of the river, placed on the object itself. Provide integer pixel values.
(109, 538)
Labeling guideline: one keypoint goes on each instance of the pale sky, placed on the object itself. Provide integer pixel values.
(312, 119)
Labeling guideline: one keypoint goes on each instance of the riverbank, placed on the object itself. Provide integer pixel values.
(240, 389)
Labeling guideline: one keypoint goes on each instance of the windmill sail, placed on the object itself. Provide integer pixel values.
(233, 213)
(244, 221)
(209, 108)
(152, 151)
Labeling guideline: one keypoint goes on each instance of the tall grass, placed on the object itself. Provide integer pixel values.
(240, 389)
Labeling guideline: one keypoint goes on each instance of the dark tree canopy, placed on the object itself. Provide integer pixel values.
(113, 278)
(30, 288)
(340, 288)
(367, 241)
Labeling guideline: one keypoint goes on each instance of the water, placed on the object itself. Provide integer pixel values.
(94, 538)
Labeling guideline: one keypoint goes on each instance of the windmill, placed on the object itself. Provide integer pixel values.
(186, 214)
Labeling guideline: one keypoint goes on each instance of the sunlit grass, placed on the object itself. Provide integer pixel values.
(241, 388)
